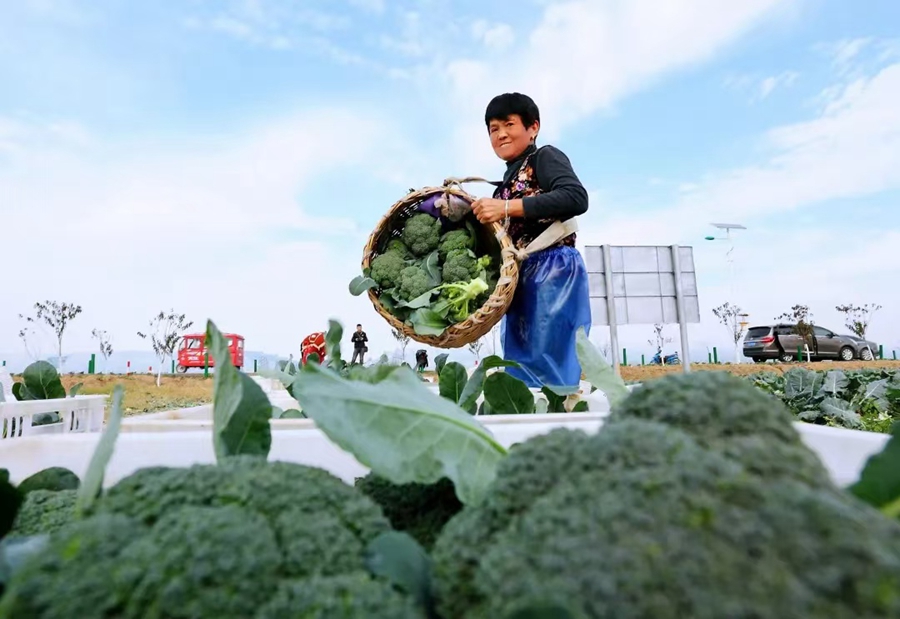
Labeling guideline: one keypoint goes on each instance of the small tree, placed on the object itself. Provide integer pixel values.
(659, 339)
(475, 348)
(730, 316)
(802, 321)
(30, 337)
(55, 315)
(402, 339)
(104, 341)
(164, 335)
(857, 317)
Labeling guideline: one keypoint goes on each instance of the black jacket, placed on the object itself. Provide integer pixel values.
(359, 339)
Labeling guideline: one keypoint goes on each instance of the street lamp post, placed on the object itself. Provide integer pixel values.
(729, 258)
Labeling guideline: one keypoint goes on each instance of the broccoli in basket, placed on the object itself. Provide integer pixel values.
(462, 265)
(422, 234)
(455, 239)
(386, 269)
(413, 282)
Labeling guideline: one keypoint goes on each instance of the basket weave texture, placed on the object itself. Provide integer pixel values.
(492, 235)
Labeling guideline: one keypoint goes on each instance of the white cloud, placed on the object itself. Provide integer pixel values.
(371, 6)
(493, 36)
(769, 84)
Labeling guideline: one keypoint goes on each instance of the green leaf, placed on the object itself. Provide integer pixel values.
(842, 411)
(439, 362)
(432, 268)
(452, 381)
(879, 483)
(801, 382)
(401, 430)
(20, 392)
(54, 478)
(73, 391)
(241, 409)
(834, 384)
(427, 322)
(41, 382)
(423, 300)
(508, 395)
(556, 403)
(581, 406)
(398, 558)
(475, 385)
(484, 408)
(93, 477)
(333, 338)
(360, 284)
(597, 371)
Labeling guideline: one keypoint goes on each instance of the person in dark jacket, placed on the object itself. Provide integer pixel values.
(552, 299)
(360, 349)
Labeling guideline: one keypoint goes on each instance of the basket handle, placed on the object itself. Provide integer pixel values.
(453, 180)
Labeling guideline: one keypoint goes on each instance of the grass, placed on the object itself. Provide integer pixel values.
(143, 396)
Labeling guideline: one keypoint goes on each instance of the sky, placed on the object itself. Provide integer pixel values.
(228, 158)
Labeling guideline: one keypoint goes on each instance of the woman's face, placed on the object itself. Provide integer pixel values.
(510, 138)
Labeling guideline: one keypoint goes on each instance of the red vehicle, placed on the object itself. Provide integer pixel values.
(192, 352)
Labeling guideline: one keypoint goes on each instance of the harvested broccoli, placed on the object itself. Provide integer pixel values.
(457, 300)
(422, 234)
(413, 282)
(52, 478)
(421, 510)
(461, 265)
(385, 269)
(454, 240)
(44, 511)
(204, 541)
(397, 246)
(655, 519)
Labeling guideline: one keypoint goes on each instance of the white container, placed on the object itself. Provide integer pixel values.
(82, 413)
(843, 452)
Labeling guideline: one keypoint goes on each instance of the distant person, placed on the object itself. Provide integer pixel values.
(359, 339)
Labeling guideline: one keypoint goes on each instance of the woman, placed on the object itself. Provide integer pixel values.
(552, 299)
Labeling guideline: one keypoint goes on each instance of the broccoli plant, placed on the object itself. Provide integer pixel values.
(165, 333)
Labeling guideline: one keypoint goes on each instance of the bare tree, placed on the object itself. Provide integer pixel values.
(105, 343)
(164, 335)
(55, 315)
(402, 339)
(802, 321)
(475, 348)
(31, 338)
(659, 340)
(857, 317)
(730, 316)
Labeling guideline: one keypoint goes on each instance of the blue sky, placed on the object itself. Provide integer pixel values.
(229, 158)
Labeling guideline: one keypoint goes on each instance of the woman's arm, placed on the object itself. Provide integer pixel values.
(563, 194)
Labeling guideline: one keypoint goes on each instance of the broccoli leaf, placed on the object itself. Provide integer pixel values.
(452, 382)
(40, 382)
(597, 371)
(432, 268)
(508, 395)
(427, 322)
(581, 406)
(73, 391)
(401, 560)
(423, 300)
(834, 384)
(360, 284)
(475, 385)
(879, 483)
(401, 430)
(439, 362)
(93, 477)
(241, 409)
(333, 338)
(556, 402)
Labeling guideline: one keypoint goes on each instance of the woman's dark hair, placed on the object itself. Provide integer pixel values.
(503, 106)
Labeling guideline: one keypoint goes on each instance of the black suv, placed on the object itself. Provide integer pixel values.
(781, 342)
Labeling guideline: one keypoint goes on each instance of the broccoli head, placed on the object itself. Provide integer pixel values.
(422, 234)
(461, 265)
(421, 510)
(413, 282)
(44, 511)
(385, 269)
(203, 541)
(457, 300)
(52, 478)
(454, 240)
(397, 246)
(730, 415)
(643, 520)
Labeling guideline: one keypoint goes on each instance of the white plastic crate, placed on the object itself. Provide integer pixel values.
(82, 413)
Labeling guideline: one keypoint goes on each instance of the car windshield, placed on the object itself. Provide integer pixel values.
(193, 344)
(756, 332)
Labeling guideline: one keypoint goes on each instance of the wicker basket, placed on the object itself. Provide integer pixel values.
(482, 321)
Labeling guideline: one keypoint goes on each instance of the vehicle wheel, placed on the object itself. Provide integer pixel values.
(758, 360)
(866, 354)
(846, 354)
(180, 369)
(787, 357)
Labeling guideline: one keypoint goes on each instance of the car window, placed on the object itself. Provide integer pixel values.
(821, 331)
(784, 330)
(755, 332)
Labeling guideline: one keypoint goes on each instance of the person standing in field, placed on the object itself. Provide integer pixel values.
(539, 189)
(360, 349)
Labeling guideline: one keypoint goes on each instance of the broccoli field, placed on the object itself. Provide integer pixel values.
(435, 274)
(696, 499)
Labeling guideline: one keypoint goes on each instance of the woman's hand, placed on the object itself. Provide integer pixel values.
(489, 210)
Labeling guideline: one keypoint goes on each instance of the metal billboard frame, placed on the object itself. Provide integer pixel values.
(649, 284)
